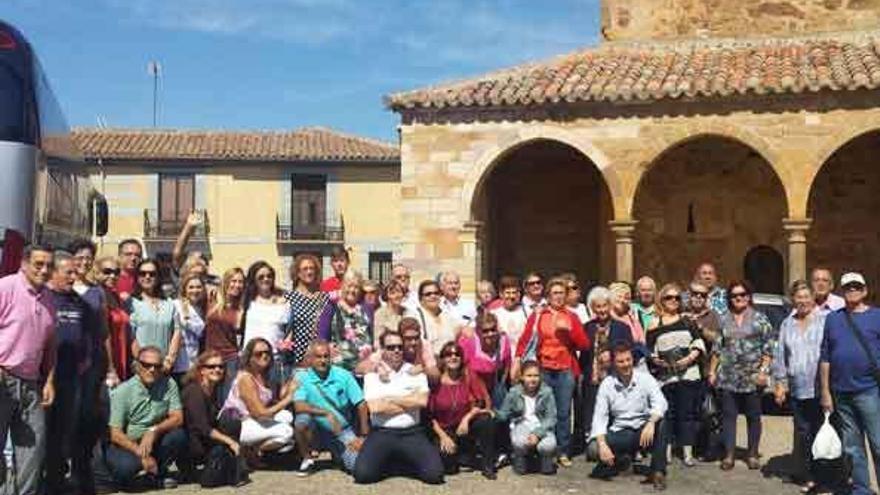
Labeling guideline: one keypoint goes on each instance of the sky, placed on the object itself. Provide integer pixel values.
(280, 64)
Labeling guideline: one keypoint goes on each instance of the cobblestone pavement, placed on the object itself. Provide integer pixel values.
(703, 479)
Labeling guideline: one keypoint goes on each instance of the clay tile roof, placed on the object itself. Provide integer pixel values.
(668, 70)
(306, 144)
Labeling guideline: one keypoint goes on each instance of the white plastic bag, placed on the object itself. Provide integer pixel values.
(827, 443)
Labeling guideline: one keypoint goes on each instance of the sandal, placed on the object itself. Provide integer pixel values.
(753, 463)
(727, 464)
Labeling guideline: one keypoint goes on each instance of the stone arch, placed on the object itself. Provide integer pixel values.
(490, 157)
(708, 197)
(842, 203)
(746, 137)
(543, 205)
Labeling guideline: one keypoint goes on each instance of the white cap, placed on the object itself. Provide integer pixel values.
(852, 277)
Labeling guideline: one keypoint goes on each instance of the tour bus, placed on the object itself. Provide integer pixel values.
(45, 192)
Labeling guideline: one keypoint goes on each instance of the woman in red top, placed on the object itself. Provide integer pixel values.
(552, 337)
(118, 344)
(223, 327)
(461, 415)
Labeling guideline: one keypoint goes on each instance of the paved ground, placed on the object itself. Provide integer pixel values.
(704, 479)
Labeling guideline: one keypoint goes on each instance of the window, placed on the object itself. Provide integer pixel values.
(380, 267)
(177, 198)
(308, 204)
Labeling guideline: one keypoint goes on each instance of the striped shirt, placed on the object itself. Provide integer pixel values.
(796, 359)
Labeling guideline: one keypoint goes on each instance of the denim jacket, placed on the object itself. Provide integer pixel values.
(514, 407)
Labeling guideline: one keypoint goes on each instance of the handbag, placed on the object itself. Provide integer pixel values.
(872, 360)
(223, 468)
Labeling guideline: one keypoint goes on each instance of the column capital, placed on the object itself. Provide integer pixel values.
(801, 225)
(623, 229)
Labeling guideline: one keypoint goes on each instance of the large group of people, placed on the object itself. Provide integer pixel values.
(140, 374)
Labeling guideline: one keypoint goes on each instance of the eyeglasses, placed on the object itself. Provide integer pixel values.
(699, 294)
(573, 287)
(150, 366)
(450, 354)
(369, 291)
(265, 277)
(853, 287)
(394, 347)
(672, 297)
(739, 295)
(262, 354)
(213, 367)
(533, 282)
(147, 274)
(111, 271)
(431, 293)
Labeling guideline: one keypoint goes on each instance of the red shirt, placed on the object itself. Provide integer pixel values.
(331, 286)
(449, 403)
(556, 348)
(126, 284)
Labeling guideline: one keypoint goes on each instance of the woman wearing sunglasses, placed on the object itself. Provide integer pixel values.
(266, 423)
(154, 319)
(223, 328)
(740, 369)
(461, 415)
(265, 313)
(675, 347)
(118, 344)
(207, 438)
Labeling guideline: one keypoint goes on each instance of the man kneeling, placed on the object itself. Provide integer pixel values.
(146, 420)
(396, 440)
(627, 418)
(325, 403)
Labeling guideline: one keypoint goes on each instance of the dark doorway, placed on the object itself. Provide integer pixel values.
(545, 207)
(765, 270)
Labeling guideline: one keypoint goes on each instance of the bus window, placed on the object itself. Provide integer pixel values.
(12, 121)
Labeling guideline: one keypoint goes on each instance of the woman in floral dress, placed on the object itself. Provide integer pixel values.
(347, 326)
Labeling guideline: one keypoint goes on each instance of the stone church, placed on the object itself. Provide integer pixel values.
(741, 132)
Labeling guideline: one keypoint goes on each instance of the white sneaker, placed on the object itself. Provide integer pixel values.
(305, 467)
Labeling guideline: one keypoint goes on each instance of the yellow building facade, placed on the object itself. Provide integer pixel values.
(262, 195)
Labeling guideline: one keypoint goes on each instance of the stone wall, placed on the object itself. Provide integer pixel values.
(659, 19)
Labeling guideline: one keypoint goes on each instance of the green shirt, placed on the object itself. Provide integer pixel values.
(134, 408)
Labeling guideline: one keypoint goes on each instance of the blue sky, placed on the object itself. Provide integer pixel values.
(281, 64)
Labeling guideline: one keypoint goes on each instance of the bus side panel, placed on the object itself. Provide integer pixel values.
(18, 170)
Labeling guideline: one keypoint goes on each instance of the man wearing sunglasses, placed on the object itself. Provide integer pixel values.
(849, 377)
(27, 368)
(397, 438)
(146, 419)
(130, 255)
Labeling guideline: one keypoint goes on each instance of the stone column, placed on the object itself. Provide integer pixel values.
(797, 247)
(623, 241)
(472, 249)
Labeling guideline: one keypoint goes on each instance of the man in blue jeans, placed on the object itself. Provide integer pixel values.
(847, 373)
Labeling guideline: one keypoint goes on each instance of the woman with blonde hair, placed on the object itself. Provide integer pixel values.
(621, 308)
(306, 302)
(191, 306)
(223, 328)
(676, 346)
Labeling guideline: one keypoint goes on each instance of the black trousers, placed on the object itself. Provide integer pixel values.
(626, 443)
(683, 417)
(390, 451)
(479, 440)
(734, 403)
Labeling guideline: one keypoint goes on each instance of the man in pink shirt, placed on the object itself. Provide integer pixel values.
(27, 366)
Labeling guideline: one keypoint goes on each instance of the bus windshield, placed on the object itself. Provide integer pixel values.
(13, 117)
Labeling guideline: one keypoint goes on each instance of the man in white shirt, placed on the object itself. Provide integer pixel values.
(463, 310)
(822, 282)
(397, 439)
(628, 417)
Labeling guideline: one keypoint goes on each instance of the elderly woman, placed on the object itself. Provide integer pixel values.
(346, 324)
(553, 336)
(487, 297)
(603, 330)
(740, 369)
(622, 310)
(795, 365)
(387, 317)
(675, 346)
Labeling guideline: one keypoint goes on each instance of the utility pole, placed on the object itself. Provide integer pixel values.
(153, 68)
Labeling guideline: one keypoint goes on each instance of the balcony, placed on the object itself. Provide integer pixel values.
(163, 229)
(328, 233)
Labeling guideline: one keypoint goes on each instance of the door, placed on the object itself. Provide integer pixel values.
(765, 270)
(176, 201)
(308, 206)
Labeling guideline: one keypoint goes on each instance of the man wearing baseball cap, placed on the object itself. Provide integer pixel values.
(850, 379)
